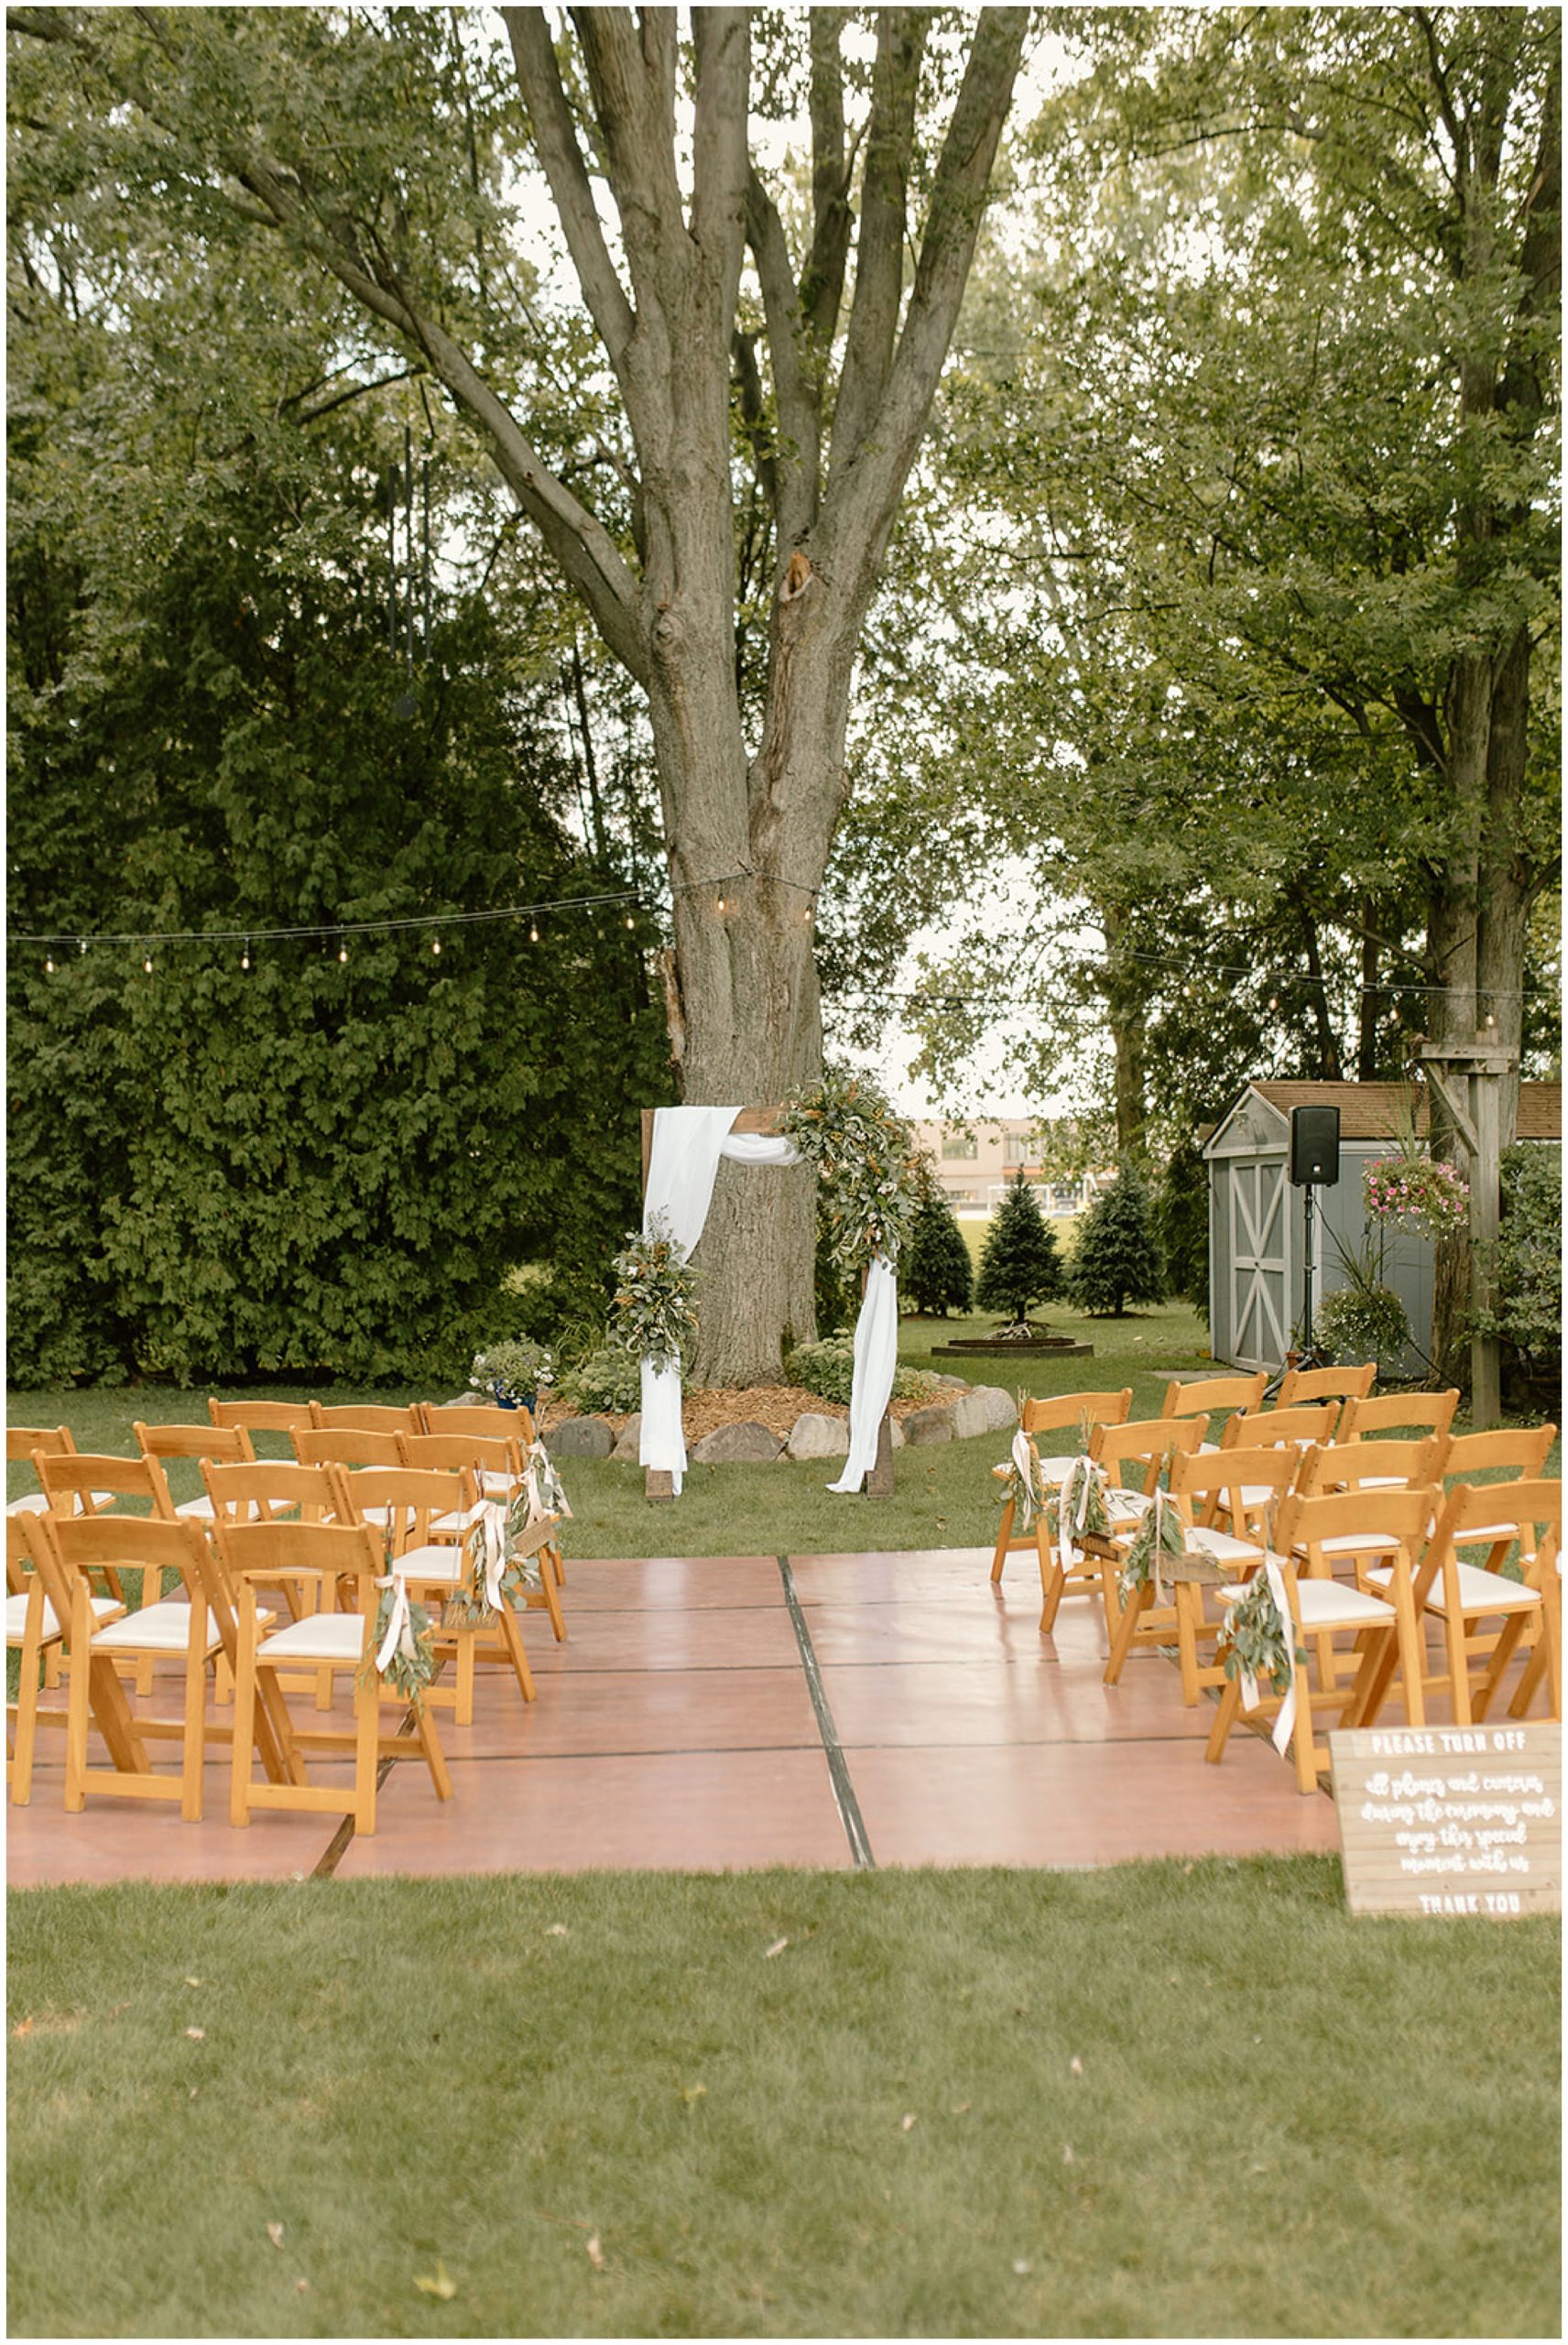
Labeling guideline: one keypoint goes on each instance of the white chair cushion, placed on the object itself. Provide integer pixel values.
(195, 1510)
(1223, 1547)
(1486, 1534)
(1359, 1543)
(34, 1502)
(1056, 1470)
(1330, 1604)
(1126, 1506)
(320, 1636)
(156, 1628)
(431, 1563)
(17, 1616)
(1479, 1591)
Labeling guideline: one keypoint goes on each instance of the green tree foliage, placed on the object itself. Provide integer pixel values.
(317, 1164)
(1019, 1262)
(1116, 1259)
(1180, 1213)
(935, 1273)
(1527, 1313)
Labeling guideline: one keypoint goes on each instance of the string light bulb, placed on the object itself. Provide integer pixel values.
(146, 966)
(533, 931)
(49, 963)
(721, 905)
(435, 944)
(630, 921)
(245, 957)
(342, 952)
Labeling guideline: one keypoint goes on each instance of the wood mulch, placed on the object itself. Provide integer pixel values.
(776, 1406)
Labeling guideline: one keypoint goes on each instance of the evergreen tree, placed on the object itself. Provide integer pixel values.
(1020, 1263)
(1180, 1215)
(1116, 1259)
(934, 1269)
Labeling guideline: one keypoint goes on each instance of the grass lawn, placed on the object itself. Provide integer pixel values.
(1166, 2100)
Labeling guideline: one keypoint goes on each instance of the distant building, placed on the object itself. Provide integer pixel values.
(974, 1161)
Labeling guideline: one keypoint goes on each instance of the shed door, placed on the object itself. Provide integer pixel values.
(1260, 1260)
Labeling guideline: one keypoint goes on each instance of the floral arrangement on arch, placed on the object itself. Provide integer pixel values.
(865, 1157)
(1421, 1191)
(653, 1312)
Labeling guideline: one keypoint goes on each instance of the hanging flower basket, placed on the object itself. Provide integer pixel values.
(1418, 1192)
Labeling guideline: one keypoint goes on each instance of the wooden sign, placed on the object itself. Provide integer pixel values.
(1451, 1819)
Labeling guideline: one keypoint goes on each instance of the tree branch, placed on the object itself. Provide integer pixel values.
(555, 141)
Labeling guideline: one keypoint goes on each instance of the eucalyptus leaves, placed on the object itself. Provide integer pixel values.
(1161, 1539)
(652, 1312)
(1255, 1641)
(866, 1158)
(403, 1654)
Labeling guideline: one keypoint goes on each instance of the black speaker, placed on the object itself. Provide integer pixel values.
(1314, 1146)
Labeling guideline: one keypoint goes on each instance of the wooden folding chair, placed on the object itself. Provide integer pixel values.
(274, 1421)
(1132, 1456)
(1247, 1484)
(351, 1446)
(1543, 1651)
(1301, 1384)
(1204, 1396)
(500, 1465)
(1459, 1594)
(1395, 1412)
(268, 1489)
(368, 1417)
(1306, 1426)
(1320, 1607)
(22, 1442)
(109, 1485)
(1068, 1410)
(1417, 1464)
(34, 1629)
(180, 1627)
(434, 1521)
(478, 1416)
(260, 1553)
(1511, 1453)
(224, 1445)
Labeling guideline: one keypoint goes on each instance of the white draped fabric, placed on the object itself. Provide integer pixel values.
(683, 1164)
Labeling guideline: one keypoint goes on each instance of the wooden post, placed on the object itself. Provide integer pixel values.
(880, 1480)
(1477, 1118)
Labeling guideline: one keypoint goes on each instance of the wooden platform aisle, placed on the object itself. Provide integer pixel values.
(733, 1712)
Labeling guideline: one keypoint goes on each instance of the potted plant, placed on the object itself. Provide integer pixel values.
(515, 1373)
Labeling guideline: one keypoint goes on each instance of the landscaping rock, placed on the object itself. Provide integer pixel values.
(897, 1431)
(987, 1409)
(743, 1445)
(923, 1426)
(817, 1437)
(581, 1437)
(624, 1452)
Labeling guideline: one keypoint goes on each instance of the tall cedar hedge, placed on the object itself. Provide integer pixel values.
(319, 1167)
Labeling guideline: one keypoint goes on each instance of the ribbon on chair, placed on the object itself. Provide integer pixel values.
(400, 1628)
(1022, 1455)
(1073, 1510)
(1284, 1725)
(1162, 1499)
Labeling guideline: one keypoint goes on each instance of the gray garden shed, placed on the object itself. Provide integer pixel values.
(1256, 1220)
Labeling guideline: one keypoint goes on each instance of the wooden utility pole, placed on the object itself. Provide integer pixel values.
(1468, 1078)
